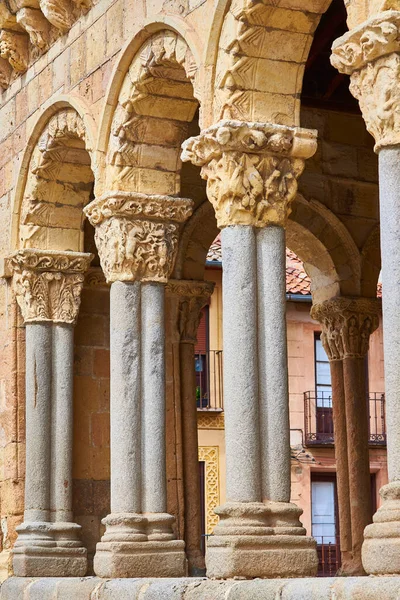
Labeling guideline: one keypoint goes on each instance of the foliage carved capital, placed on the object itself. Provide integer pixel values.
(347, 324)
(370, 54)
(48, 284)
(251, 169)
(192, 296)
(137, 235)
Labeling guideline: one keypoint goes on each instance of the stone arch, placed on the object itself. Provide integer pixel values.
(150, 116)
(371, 263)
(56, 180)
(262, 50)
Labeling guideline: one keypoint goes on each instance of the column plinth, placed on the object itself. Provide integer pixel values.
(48, 287)
(251, 171)
(370, 54)
(137, 238)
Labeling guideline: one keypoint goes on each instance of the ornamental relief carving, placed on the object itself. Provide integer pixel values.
(192, 296)
(251, 169)
(48, 285)
(347, 325)
(14, 48)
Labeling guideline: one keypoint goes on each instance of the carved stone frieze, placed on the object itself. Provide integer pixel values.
(48, 284)
(36, 26)
(251, 169)
(137, 235)
(5, 73)
(192, 296)
(370, 55)
(58, 12)
(347, 324)
(14, 48)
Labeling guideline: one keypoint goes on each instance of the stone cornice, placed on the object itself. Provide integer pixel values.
(347, 324)
(370, 54)
(251, 169)
(192, 296)
(48, 284)
(137, 234)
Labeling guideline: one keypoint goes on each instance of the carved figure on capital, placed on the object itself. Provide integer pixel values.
(48, 284)
(347, 324)
(137, 235)
(192, 296)
(251, 169)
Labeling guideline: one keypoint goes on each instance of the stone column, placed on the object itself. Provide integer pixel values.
(191, 297)
(48, 286)
(370, 54)
(347, 324)
(137, 238)
(251, 171)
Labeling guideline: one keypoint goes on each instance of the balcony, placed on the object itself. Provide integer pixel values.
(318, 420)
(209, 385)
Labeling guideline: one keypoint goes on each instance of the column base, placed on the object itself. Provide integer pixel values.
(49, 550)
(381, 547)
(139, 546)
(260, 540)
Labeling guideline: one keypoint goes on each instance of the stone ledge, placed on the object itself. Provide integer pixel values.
(93, 588)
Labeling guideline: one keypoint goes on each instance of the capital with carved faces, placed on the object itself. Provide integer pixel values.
(370, 54)
(192, 296)
(137, 234)
(48, 283)
(347, 324)
(251, 169)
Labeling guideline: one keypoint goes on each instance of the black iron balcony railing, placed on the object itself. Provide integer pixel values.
(209, 386)
(318, 420)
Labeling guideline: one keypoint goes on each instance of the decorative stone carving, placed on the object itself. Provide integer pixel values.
(137, 235)
(14, 48)
(347, 324)
(58, 12)
(48, 284)
(192, 295)
(251, 169)
(370, 55)
(5, 73)
(36, 26)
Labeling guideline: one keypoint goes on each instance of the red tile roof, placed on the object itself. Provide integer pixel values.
(297, 280)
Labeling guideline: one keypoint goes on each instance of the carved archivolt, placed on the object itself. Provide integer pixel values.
(192, 296)
(347, 324)
(209, 455)
(137, 235)
(48, 285)
(370, 55)
(58, 185)
(158, 85)
(251, 169)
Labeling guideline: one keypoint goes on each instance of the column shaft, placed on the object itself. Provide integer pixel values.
(389, 193)
(38, 424)
(153, 399)
(125, 397)
(242, 435)
(358, 453)
(342, 465)
(191, 460)
(62, 423)
(273, 365)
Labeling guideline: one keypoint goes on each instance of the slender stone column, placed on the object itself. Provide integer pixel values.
(47, 287)
(191, 297)
(370, 54)
(137, 238)
(347, 325)
(251, 171)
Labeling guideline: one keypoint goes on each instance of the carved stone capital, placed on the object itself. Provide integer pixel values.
(137, 235)
(347, 324)
(14, 48)
(370, 54)
(251, 169)
(192, 296)
(48, 284)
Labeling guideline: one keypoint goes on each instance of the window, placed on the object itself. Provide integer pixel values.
(323, 386)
